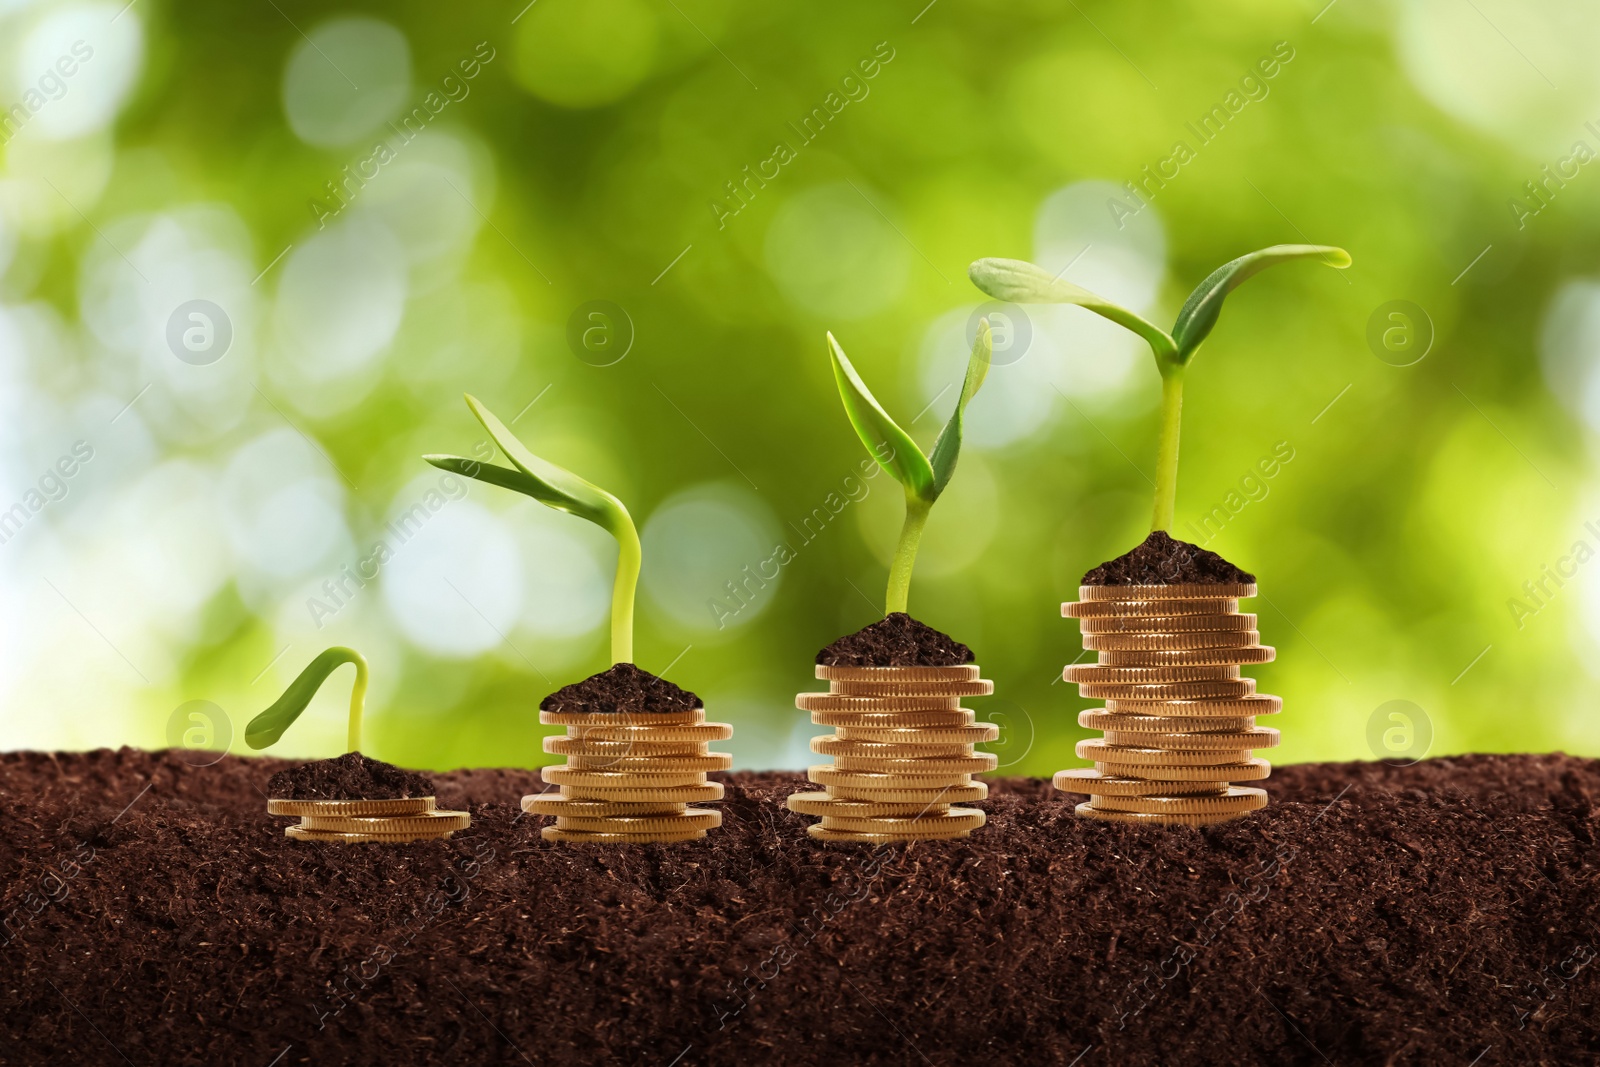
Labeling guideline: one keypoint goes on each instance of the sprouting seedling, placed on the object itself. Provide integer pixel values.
(922, 477)
(265, 729)
(1018, 282)
(564, 491)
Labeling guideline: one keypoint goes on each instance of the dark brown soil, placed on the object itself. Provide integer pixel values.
(621, 690)
(351, 776)
(1164, 560)
(154, 915)
(896, 641)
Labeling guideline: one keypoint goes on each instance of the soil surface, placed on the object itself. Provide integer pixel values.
(1445, 913)
(620, 690)
(351, 776)
(1164, 560)
(897, 640)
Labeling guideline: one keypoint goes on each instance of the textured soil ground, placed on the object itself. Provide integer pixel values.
(1447, 913)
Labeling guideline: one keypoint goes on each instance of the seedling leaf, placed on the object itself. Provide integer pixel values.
(1018, 282)
(504, 477)
(1199, 313)
(948, 447)
(265, 729)
(878, 431)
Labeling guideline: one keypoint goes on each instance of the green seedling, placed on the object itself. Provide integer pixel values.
(564, 491)
(923, 477)
(265, 729)
(1018, 282)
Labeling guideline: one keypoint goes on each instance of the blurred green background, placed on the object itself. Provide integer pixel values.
(385, 205)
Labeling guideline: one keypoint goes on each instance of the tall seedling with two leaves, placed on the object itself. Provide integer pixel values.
(923, 477)
(1018, 282)
(564, 491)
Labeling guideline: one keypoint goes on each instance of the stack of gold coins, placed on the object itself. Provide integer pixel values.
(387, 821)
(630, 776)
(1179, 721)
(902, 753)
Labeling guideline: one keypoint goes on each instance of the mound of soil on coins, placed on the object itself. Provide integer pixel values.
(621, 690)
(1413, 916)
(1164, 560)
(897, 641)
(351, 776)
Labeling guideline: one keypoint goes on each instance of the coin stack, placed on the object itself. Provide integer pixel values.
(387, 821)
(1179, 721)
(630, 776)
(902, 754)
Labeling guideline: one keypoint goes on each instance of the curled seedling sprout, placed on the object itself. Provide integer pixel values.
(564, 491)
(1018, 282)
(922, 477)
(265, 729)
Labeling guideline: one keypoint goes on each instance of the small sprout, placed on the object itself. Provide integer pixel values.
(1018, 282)
(922, 477)
(564, 491)
(265, 729)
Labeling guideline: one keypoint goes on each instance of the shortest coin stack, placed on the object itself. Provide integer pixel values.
(1179, 721)
(902, 754)
(631, 776)
(387, 821)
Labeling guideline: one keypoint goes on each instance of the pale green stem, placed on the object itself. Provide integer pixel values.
(629, 556)
(905, 553)
(358, 700)
(1167, 447)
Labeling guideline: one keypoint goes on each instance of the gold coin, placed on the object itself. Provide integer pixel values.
(830, 776)
(817, 832)
(1193, 657)
(1102, 752)
(964, 673)
(427, 822)
(350, 808)
(303, 833)
(699, 733)
(1250, 770)
(941, 824)
(711, 761)
(912, 689)
(585, 746)
(623, 718)
(1238, 798)
(894, 720)
(824, 804)
(1250, 704)
(976, 763)
(673, 794)
(1163, 819)
(1095, 719)
(1229, 688)
(832, 745)
(975, 734)
(620, 779)
(539, 804)
(1087, 780)
(690, 819)
(1176, 591)
(1130, 609)
(1181, 640)
(590, 837)
(944, 796)
(843, 703)
(1095, 673)
(1259, 737)
(1218, 622)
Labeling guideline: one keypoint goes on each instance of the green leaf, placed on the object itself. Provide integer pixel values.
(1199, 313)
(504, 477)
(1019, 282)
(878, 431)
(948, 446)
(265, 729)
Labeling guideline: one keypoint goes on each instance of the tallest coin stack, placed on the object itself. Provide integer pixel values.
(1179, 721)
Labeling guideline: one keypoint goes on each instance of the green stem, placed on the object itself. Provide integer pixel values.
(629, 556)
(905, 553)
(1167, 447)
(358, 698)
